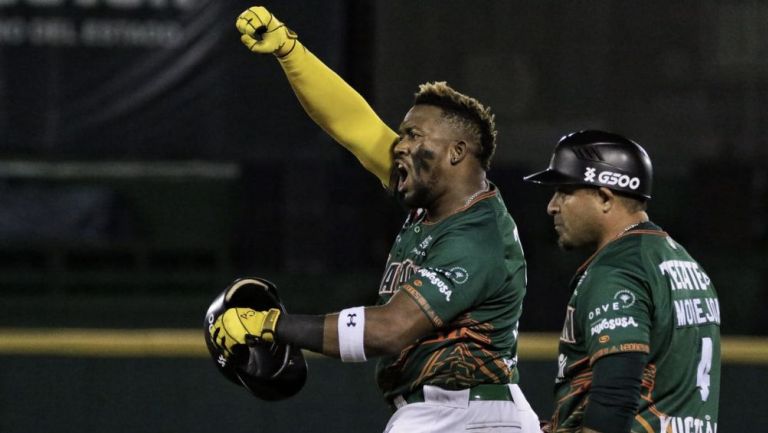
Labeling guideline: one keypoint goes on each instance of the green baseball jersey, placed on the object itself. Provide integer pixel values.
(644, 293)
(467, 273)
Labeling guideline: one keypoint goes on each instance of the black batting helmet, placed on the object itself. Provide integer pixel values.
(598, 158)
(270, 371)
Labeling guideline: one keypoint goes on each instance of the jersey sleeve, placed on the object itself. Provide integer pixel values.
(340, 111)
(453, 278)
(615, 312)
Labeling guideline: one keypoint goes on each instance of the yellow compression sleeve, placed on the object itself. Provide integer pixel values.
(340, 111)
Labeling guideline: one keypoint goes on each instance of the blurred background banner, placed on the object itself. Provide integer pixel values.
(147, 159)
(133, 78)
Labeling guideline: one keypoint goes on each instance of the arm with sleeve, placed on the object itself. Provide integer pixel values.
(617, 318)
(340, 111)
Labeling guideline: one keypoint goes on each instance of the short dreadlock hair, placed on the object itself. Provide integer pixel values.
(465, 112)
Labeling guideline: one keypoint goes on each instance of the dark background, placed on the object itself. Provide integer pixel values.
(147, 158)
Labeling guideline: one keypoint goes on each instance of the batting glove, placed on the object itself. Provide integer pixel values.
(263, 33)
(236, 324)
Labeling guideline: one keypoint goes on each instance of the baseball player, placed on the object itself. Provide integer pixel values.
(640, 346)
(445, 326)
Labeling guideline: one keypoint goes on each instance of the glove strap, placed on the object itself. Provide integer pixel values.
(351, 326)
(270, 322)
(290, 43)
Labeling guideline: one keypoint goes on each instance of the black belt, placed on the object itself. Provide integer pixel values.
(482, 392)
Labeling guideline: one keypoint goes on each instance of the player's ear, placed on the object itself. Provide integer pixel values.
(458, 151)
(607, 199)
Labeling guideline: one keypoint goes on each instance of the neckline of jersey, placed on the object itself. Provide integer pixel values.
(634, 231)
(490, 193)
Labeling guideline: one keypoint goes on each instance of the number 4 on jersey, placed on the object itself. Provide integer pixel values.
(705, 365)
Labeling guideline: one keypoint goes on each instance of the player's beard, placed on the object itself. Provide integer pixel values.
(576, 238)
(564, 244)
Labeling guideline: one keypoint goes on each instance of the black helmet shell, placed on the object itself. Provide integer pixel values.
(270, 371)
(598, 158)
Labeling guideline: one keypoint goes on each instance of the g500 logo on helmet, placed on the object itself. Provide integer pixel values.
(589, 174)
(610, 178)
(622, 180)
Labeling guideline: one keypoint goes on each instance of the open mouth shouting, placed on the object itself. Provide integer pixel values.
(401, 171)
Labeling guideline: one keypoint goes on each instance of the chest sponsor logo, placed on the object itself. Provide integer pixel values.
(432, 277)
(611, 324)
(421, 249)
(419, 252)
(688, 424)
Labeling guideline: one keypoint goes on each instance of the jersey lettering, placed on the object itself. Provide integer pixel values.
(697, 311)
(688, 424)
(704, 369)
(397, 273)
(684, 275)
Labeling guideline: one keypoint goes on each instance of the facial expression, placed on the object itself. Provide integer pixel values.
(576, 212)
(421, 156)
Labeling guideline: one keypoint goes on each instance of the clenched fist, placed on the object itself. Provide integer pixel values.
(232, 327)
(263, 33)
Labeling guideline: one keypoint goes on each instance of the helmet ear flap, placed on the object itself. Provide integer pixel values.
(270, 371)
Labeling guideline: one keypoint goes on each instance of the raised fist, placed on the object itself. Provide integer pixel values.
(263, 33)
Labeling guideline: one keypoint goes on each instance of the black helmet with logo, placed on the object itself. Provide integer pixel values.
(598, 158)
(270, 371)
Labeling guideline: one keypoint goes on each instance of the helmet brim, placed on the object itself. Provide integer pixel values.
(549, 177)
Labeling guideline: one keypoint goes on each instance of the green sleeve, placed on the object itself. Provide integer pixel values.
(456, 276)
(614, 312)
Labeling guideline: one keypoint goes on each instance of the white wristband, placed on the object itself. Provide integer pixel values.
(351, 330)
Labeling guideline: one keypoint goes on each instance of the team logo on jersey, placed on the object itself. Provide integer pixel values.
(569, 333)
(397, 273)
(625, 298)
(562, 361)
(458, 275)
(589, 175)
